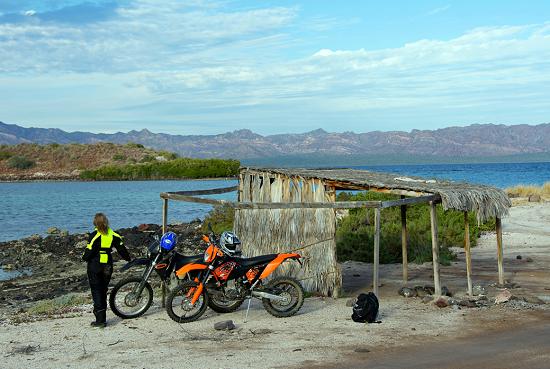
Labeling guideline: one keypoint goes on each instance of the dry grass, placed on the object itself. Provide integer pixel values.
(528, 190)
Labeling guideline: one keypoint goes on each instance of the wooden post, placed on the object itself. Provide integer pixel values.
(404, 243)
(375, 282)
(468, 254)
(499, 251)
(164, 215)
(435, 248)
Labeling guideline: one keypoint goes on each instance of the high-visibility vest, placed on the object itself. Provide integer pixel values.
(106, 244)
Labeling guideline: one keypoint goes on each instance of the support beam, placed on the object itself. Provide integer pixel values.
(164, 215)
(500, 256)
(375, 281)
(404, 244)
(468, 254)
(435, 248)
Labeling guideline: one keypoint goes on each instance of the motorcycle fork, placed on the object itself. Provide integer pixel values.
(145, 277)
(250, 299)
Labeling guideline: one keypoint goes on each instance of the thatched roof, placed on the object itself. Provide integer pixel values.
(486, 201)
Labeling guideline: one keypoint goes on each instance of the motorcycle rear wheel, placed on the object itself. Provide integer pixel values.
(289, 288)
(178, 303)
(122, 296)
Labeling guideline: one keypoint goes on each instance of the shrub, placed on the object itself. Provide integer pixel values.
(20, 162)
(119, 157)
(221, 217)
(134, 145)
(527, 190)
(54, 145)
(58, 304)
(168, 155)
(5, 155)
(355, 233)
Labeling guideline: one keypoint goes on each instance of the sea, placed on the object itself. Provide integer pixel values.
(32, 207)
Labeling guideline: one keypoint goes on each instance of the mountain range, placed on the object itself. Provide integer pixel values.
(445, 144)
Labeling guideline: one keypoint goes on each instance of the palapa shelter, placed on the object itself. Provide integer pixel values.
(288, 209)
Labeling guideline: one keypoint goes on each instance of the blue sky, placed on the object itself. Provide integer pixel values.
(204, 67)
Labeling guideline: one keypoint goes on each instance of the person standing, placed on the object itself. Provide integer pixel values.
(100, 264)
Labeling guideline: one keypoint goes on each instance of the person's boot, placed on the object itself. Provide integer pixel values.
(100, 319)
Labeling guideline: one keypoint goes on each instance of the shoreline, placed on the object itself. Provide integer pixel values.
(63, 179)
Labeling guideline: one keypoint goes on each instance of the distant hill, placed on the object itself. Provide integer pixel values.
(441, 145)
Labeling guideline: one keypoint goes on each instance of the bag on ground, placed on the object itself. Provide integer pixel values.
(365, 308)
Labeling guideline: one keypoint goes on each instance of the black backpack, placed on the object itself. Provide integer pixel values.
(365, 308)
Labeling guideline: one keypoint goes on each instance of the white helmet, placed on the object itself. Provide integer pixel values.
(230, 243)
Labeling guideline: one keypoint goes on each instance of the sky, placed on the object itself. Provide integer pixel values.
(208, 67)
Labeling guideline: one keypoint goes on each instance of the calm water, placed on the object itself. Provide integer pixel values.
(32, 207)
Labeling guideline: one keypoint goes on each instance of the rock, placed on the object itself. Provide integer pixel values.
(362, 349)
(452, 301)
(467, 303)
(261, 331)
(81, 244)
(407, 292)
(420, 291)
(479, 290)
(503, 296)
(350, 302)
(64, 233)
(529, 260)
(143, 227)
(224, 325)
(533, 300)
(445, 291)
(430, 290)
(8, 267)
(53, 230)
(534, 198)
(518, 257)
(427, 299)
(441, 302)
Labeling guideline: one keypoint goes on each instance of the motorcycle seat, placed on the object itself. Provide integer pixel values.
(256, 260)
(181, 260)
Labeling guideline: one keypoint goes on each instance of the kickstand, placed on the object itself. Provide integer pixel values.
(247, 309)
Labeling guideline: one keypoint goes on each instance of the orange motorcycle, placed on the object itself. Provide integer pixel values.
(225, 280)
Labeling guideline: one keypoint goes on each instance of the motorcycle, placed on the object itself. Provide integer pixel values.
(226, 277)
(133, 296)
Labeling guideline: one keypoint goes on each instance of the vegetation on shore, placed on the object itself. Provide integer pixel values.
(355, 232)
(104, 161)
(528, 190)
(176, 168)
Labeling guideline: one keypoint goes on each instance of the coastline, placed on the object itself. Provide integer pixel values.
(77, 179)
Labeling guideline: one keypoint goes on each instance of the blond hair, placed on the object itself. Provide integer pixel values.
(101, 223)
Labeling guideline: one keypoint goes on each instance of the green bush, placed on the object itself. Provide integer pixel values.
(58, 304)
(5, 155)
(119, 157)
(134, 145)
(178, 168)
(168, 155)
(355, 233)
(147, 159)
(20, 162)
(221, 217)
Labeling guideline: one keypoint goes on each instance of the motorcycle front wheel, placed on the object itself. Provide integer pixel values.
(179, 306)
(124, 300)
(292, 294)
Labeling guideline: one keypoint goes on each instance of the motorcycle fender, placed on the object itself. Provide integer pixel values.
(181, 272)
(135, 262)
(274, 264)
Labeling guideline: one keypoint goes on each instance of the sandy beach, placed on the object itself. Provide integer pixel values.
(322, 334)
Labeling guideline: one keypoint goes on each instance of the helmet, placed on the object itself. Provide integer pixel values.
(168, 241)
(230, 243)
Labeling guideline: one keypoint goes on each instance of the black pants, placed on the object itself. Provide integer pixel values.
(99, 276)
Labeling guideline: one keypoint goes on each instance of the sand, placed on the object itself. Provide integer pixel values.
(322, 334)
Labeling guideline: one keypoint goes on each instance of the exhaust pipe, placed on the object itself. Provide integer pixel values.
(265, 295)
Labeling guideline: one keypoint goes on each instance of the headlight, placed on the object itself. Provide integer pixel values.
(206, 256)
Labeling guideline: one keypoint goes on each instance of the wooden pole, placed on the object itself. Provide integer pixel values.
(499, 251)
(404, 243)
(468, 254)
(163, 288)
(435, 248)
(375, 282)
(164, 215)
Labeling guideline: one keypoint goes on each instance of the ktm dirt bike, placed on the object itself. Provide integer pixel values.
(230, 279)
(133, 296)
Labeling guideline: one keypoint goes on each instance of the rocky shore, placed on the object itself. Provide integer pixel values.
(51, 266)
